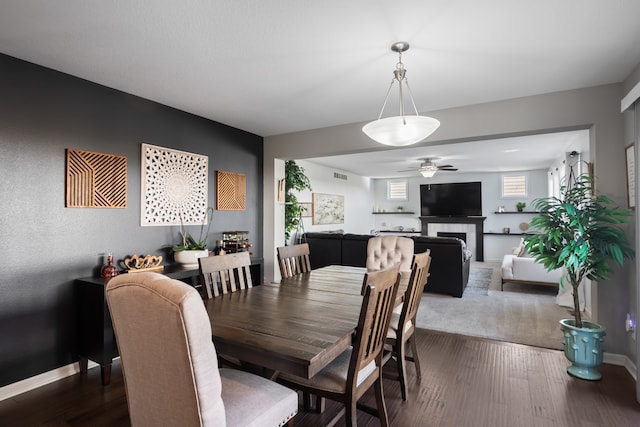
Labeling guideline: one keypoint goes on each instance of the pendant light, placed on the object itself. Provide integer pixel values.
(400, 130)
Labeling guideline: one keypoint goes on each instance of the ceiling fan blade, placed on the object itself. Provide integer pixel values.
(448, 169)
(410, 170)
(445, 166)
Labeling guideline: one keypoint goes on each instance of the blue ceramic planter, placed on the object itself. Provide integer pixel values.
(583, 347)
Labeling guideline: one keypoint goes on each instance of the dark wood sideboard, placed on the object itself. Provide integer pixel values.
(96, 341)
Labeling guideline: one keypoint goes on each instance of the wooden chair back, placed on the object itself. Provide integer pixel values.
(415, 288)
(293, 260)
(380, 289)
(225, 273)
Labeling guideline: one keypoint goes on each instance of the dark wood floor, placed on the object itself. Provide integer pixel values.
(465, 382)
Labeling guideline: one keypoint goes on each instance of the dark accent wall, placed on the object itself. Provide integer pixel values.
(45, 246)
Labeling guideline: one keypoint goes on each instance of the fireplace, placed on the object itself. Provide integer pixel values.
(461, 236)
(476, 221)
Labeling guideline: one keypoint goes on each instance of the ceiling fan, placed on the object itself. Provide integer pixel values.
(428, 168)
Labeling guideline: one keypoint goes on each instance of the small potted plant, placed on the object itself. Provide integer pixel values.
(520, 206)
(579, 232)
(400, 208)
(188, 252)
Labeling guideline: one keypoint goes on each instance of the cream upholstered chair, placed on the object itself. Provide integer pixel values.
(293, 260)
(358, 369)
(225, 273)
(385, 251)
(402, 325)
(169, 361)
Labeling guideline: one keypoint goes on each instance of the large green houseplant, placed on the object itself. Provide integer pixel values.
(579, 232)
(295, 180)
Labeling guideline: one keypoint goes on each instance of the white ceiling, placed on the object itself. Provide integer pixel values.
(495, 155)
(281, 66)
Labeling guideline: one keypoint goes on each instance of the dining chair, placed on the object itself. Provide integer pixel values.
(359, 368)
(402, 325)
(225, 273)
(385, 251)
(293, 260)
(169, 362)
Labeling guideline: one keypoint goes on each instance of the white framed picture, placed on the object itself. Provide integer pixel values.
(328, 209)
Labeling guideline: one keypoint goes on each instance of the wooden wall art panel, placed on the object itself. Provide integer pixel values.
(95, 180)
(231, 191)
(174, 187)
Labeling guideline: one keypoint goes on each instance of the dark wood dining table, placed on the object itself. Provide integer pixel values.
(296, 326)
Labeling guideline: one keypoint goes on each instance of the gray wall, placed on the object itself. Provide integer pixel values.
(595, 108)
(631, 133)
(45, 245)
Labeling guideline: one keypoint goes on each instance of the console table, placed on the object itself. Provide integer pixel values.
(478, 221)
(96, 340)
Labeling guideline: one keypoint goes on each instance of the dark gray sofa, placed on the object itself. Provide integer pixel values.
(450, 259)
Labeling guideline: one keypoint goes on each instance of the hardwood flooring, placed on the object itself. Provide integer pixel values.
(466, 381)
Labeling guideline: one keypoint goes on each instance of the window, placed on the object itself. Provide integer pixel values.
(514, 185)
(397, 190)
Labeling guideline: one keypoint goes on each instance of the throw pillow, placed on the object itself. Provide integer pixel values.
(519, 250)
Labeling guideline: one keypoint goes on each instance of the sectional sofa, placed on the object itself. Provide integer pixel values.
(450, 259)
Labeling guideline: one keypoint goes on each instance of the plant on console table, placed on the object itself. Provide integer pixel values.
(580, 232)
(188, 252)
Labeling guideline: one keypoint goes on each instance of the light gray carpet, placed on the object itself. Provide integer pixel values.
(479, 281)
(523, 314)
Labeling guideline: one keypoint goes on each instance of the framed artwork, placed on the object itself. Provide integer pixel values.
(328, 209)
(231, 191)
(630, 155)
(175, 187)
(306, 209)
(95, 180)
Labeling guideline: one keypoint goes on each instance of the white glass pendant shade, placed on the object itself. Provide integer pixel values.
(399, 131)
(428, 173)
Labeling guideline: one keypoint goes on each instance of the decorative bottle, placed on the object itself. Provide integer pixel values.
(109, 270)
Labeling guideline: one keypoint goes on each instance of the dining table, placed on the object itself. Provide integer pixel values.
(297, 326)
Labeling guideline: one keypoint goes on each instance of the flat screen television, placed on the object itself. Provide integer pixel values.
(451, 199)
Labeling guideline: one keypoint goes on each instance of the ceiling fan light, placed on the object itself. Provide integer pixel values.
(399, 131)
(428, 173)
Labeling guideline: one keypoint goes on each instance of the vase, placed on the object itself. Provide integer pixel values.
(583, 347)
(109, 270)
(189, 259)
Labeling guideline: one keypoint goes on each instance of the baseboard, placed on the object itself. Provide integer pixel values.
(621, 360)
(45, 378)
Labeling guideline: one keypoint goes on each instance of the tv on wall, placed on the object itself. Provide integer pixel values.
(451, 199)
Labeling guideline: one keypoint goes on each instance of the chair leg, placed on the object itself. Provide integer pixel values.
(382, 408)
(416, 359)
(350, 414)
(402, 367)
(306, 401)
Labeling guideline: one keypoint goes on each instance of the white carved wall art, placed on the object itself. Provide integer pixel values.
(174, 184)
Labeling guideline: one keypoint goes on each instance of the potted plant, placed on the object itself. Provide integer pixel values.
(295, 180)
(400, 208)
(520, 206)
(188, 252)
(579, 232)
